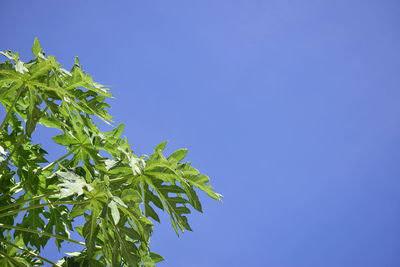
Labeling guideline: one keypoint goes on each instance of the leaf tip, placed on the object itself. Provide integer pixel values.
(36, 48)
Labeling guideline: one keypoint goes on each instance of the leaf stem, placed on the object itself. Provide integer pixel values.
(58, 160)
(40, 233)
(28, 251)
(121, 179)
(24, 201)
(12, 212)
(8, 114)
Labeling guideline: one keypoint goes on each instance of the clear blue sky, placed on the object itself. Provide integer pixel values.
(291, 107)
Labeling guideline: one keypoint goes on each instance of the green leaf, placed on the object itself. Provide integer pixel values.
(129, 232)
(50, 122)
(156, 257)
(58, 222)
(200, 182)
(150, 212)
(127, 250)
(71, 184)
(131, 195)
(114, 211)
(65, 140)
(160, 147)
(192, 196)
(119, 201)
(178, 155)
(33, 114)
(36, 49)
(32, 220)
(78, 210)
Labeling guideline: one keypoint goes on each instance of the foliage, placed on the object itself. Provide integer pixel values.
(98, 188)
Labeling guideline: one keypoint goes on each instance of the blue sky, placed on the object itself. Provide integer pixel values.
(291, 107)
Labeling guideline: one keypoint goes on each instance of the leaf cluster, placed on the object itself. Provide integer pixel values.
(98, 187)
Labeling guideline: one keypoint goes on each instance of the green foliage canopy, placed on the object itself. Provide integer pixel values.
(99, 179)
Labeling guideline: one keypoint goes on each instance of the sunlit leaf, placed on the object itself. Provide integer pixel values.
(71, 184)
